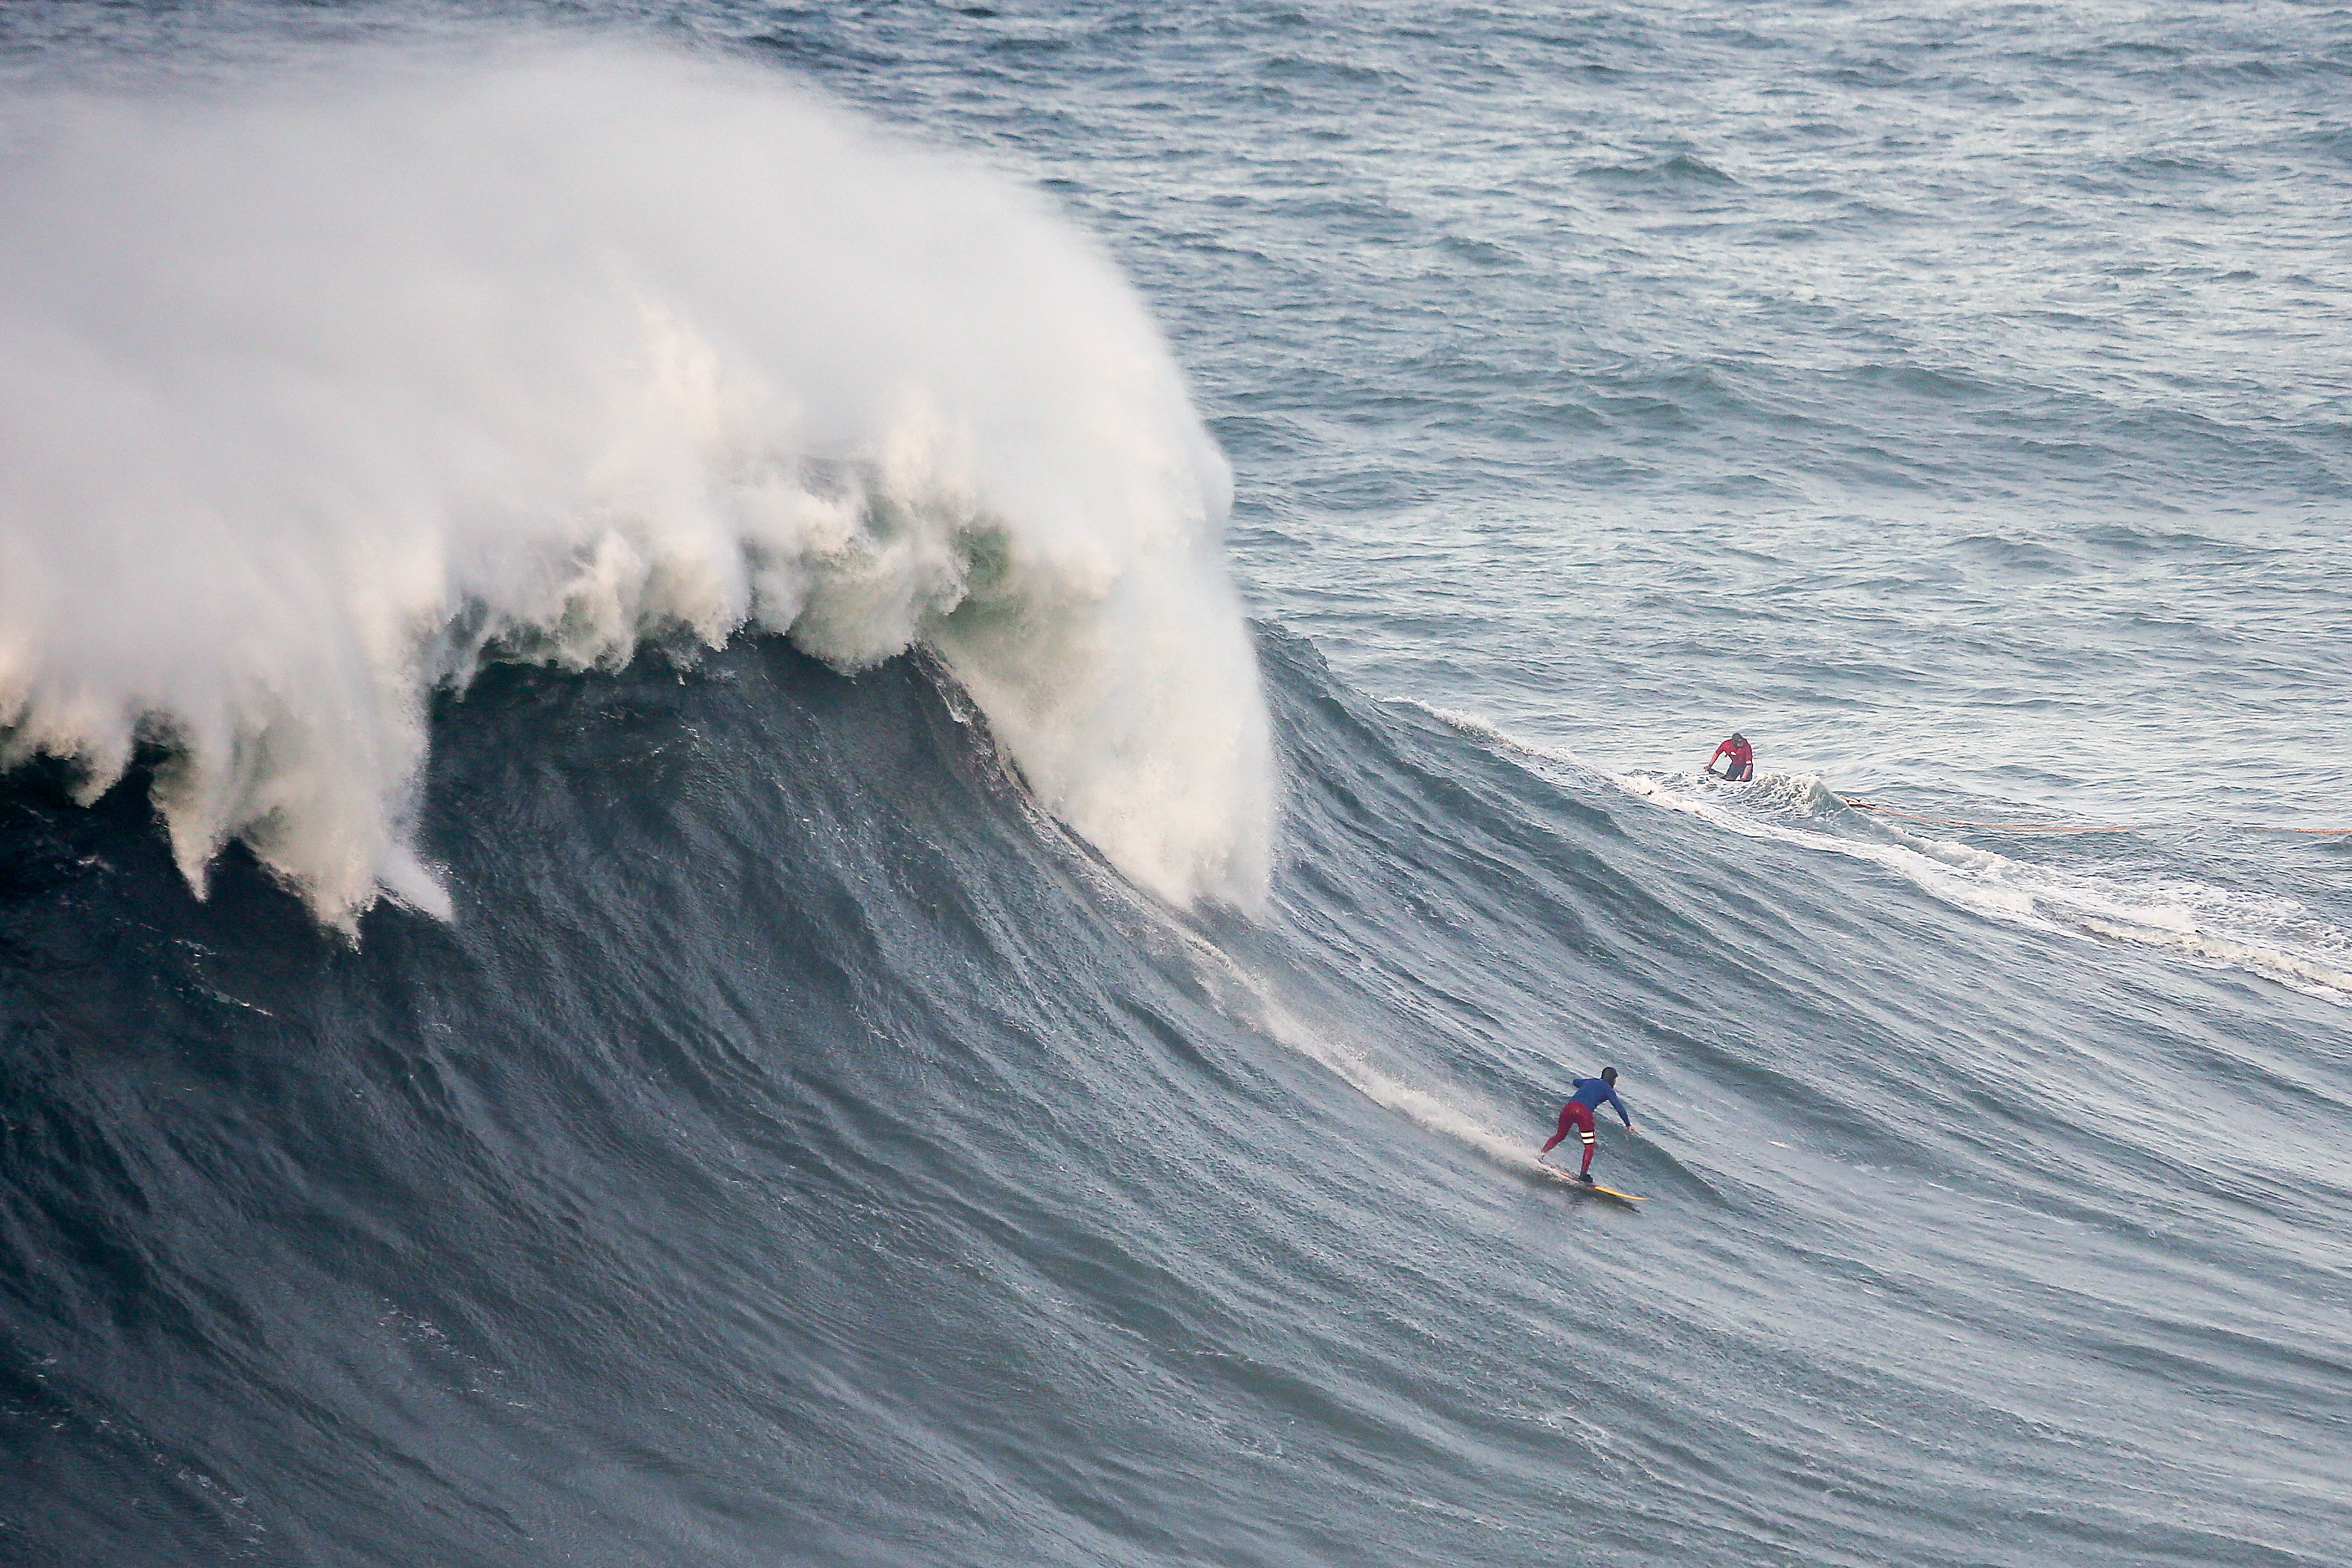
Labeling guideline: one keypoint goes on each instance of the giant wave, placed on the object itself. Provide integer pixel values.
(796, 1149)
(318, 394)
(858, 1108)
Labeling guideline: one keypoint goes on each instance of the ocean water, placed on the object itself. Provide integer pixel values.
(846, 785)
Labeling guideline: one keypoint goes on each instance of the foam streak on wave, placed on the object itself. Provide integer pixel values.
(2278, 938)
(313, 398)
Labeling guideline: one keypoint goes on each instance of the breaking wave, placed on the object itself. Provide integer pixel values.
(313, 399)
(2276, 937)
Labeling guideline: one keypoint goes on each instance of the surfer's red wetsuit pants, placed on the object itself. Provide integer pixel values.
(1579, 1115)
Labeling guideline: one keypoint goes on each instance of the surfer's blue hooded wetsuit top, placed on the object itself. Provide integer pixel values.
(1591, 1092)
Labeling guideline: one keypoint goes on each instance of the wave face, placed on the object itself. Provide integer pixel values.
(792, 1148)
(316, 395)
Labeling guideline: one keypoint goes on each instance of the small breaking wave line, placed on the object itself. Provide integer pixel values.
(1858, 803)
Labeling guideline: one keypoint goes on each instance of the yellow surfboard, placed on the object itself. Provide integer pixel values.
(1562, 1177)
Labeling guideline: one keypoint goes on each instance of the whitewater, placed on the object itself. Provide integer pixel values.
(453, 358)
(847, 785)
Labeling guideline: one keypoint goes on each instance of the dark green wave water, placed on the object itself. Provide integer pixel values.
(793, 1152)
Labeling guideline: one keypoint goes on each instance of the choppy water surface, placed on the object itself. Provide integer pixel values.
(890, 1041)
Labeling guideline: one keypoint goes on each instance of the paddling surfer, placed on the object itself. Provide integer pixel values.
(1591, 1093)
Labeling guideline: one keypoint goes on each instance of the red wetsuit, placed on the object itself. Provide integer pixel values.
(1743, 760)
(1579, 1115)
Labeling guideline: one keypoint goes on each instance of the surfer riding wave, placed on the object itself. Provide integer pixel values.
(1591, 1093)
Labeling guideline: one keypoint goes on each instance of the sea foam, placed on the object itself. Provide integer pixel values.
(316, 392)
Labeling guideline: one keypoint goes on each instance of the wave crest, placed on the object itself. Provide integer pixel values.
(314, 397)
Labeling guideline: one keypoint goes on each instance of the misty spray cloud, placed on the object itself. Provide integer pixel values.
(312, 396)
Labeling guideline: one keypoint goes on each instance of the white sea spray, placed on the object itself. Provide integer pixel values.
(314, 394)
